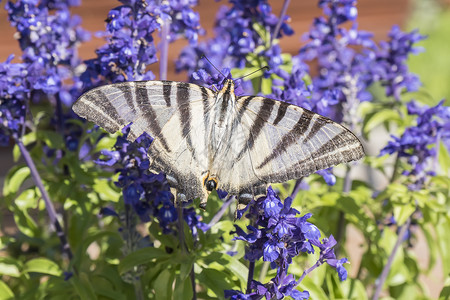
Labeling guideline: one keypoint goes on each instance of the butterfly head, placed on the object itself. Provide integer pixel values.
(210, 183)
(228, 87)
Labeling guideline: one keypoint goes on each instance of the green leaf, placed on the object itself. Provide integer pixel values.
(26, 224)
(9, 267)
(27, 199)
(5, 292)
(163, 284)
(354, 289)
(83, 287)
(315, 291)
(380, 117)
(51, 138)
(16, 176)
(42, 265)
(445, 292)
(402, 212)
(215, 281)
(141, 256)
(444, 158)
(183, 289)
(16, 153)
(185, 267)
(237, 268)
(106, 142)
(106, 190)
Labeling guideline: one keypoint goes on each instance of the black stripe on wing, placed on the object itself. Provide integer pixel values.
(263, 115)
(184, 109)
(290, 137)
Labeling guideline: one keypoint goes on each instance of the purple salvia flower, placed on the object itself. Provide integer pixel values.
(278, 236)
(14, 95)
(390, 62)
(418, 144)
(235, 39)
(342, 71)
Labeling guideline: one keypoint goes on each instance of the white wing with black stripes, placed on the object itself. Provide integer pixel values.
(205, 140)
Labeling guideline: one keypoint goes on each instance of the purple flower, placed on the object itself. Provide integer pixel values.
(343, 73)
(235, 38)
(390, 62)
(418, 143)
(338, 264)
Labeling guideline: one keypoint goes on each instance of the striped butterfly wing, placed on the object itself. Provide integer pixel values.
(173, 113)
(282, 142)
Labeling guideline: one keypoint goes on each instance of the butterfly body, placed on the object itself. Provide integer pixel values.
(206, 140)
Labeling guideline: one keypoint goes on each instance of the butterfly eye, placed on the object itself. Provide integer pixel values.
(211, 185)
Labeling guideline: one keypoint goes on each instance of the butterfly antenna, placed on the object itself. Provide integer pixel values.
(263, 68)
(204, 56)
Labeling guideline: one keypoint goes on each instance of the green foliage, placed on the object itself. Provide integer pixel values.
(105, 266)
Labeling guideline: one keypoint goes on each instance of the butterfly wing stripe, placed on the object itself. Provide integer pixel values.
(167, 92)
(318, 124)
(106, 115)
(262, 117)
(289, 138)
(184, 108)
(206, 96)
(148, 113)
(128, 94)
(282, 108)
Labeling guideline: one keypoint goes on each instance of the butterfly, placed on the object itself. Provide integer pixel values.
(206, 140)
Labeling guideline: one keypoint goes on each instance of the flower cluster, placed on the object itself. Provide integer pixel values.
(147, 193)
(129, 31)
(130, 47)
(419, 143)
(13, 98)
(184, 22)
(48, 36)
(235, 38)
(278, 235)
(343, 76)
(390, 66)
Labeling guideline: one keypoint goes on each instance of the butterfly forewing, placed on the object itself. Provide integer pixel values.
(146, 104)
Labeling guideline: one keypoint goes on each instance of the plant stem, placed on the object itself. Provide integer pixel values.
(380, 281)
(138, 289)
(192, 276)
(48, 203)
(183, 247)
(164, 49)
(306, 272)
(395, 171)
(251, 270)
(296, 189)
(280, 21)
(181, 229)
(341, 221)
(221, 211)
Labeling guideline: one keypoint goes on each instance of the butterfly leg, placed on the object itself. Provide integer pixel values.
(245, 197)
(178, 197)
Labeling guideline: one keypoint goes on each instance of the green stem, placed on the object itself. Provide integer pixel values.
(48, 203)
(340, 235)
(137, 284)
(380, 281)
